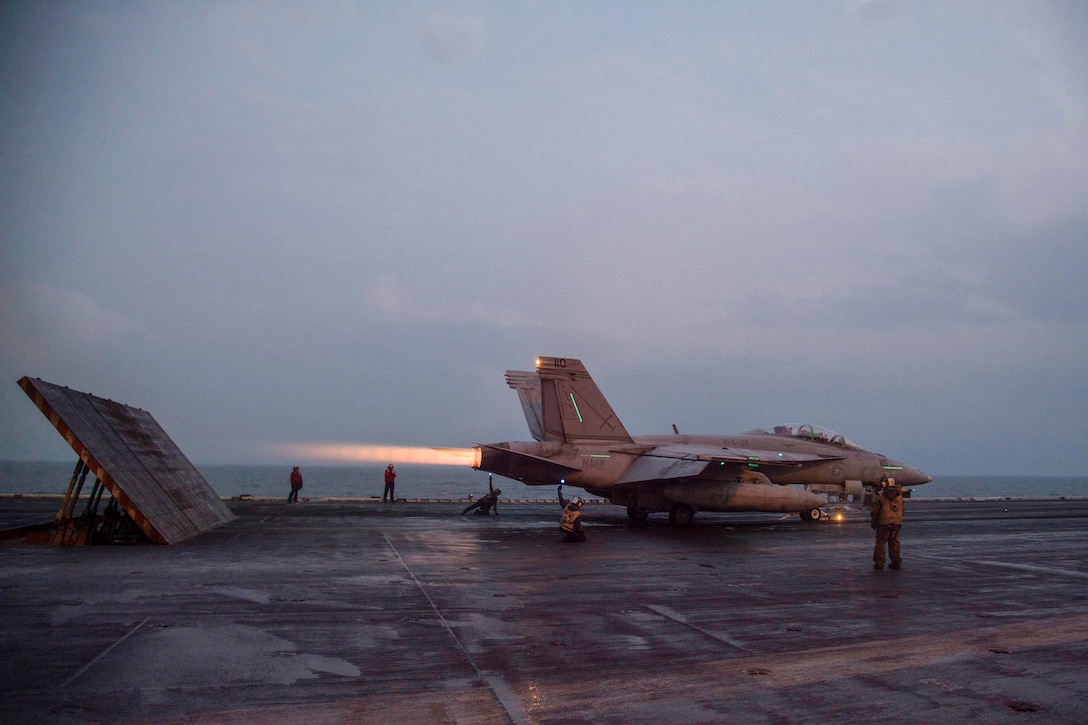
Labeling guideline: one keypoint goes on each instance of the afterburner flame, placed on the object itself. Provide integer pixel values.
(375, 453)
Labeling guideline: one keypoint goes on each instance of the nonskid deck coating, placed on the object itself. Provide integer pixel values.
(332, 612)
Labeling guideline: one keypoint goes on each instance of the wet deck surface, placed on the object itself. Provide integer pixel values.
(331, 612)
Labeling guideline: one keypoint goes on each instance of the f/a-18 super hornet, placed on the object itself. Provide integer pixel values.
(579, 440)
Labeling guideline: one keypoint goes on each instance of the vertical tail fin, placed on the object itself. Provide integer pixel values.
(573, 407)
(527, 383)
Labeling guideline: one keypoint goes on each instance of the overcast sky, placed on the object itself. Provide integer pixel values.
(341, 222)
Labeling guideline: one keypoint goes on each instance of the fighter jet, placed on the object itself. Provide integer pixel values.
(579, 440)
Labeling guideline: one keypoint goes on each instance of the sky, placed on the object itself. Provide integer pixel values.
(274, 224)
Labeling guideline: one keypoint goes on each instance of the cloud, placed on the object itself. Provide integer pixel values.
(872, 10)
(397, 302)
(387, 295)
(39, 322)
(1043, 274)
(303, 223)
(453, 40)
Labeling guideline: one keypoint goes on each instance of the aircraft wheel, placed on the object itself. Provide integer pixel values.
(637, 515)
(680, 515)
(811, 515)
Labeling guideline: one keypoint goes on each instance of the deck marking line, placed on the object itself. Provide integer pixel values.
(513, 709)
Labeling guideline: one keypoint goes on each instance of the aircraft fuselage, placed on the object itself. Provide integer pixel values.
(601, 466)
(579, 440)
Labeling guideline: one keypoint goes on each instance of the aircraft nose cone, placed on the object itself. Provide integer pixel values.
(911, 477)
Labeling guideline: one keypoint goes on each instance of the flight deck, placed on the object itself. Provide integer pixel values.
(358, 611)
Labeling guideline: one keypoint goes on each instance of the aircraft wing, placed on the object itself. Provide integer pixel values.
(671, 463)
(765, 458)
(684, 461)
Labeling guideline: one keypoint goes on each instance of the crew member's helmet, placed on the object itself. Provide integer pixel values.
(577, 501)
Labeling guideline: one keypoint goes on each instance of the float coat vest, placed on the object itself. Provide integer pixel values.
(569, 521)
(888, 507)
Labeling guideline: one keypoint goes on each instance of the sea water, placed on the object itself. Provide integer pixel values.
(229, 481)
(459, 482)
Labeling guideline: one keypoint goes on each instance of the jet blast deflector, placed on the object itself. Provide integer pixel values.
(134, 459)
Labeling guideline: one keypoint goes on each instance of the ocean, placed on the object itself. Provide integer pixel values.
(457, 482)
(229, 481)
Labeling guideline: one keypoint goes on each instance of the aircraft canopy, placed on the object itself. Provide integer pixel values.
(806, 432)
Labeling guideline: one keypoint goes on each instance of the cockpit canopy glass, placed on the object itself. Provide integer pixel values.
(806, 432)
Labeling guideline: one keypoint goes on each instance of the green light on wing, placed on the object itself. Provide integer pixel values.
(576, 411)
(893, 468)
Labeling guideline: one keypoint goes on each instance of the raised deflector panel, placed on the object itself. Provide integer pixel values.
(141, 467)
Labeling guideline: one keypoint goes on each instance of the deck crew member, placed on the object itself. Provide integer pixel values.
(296, 485)
(886, 517)
(571, 521)
(487, 501)
(390, 480)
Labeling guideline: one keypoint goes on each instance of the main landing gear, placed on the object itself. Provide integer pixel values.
(811, 515)
(679, 514)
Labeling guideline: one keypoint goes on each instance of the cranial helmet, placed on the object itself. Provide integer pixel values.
(577, 501)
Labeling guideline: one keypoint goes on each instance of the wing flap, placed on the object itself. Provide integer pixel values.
(652, 467)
